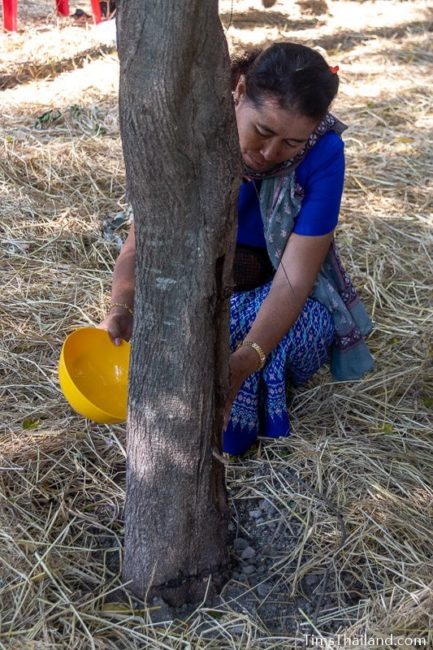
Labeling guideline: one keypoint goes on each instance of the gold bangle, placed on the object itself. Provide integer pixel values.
(121, 304)
(258, 349)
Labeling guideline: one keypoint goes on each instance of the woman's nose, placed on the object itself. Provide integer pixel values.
(270, 150)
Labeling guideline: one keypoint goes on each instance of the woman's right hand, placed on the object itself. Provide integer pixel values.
(118, 324)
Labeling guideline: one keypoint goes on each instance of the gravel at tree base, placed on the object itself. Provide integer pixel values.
(269, 544)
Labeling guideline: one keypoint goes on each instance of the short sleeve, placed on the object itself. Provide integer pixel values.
(250, 223)
(321, 175)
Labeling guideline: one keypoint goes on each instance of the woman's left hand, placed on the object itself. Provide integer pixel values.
(243, 362)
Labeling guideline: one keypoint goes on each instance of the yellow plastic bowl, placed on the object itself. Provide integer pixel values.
(93, 374)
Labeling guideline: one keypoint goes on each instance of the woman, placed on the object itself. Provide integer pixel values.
(293, 306)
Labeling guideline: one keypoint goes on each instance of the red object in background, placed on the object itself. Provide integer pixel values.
(63, 7)
(10, 15)
(10, 11)
(96, 8)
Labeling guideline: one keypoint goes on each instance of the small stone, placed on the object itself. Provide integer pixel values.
(267, 506)
(248, 553)
(232, 527)
(162, 611)
(308, 608)
(240, 544)
(262, 590)
(311, 580)
(248, 569)
(255, 514)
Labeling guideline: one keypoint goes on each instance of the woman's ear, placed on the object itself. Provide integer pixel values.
(239, 91)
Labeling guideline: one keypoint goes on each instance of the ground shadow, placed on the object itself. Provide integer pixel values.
(30, 71)
(255, 18)
(346, 40)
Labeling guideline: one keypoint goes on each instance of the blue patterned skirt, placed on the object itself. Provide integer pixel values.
(260, 406)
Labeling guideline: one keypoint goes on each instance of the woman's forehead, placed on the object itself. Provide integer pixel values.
(283, 122)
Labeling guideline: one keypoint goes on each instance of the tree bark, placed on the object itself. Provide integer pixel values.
(183, 167)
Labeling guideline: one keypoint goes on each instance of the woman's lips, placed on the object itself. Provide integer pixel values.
(255, 164)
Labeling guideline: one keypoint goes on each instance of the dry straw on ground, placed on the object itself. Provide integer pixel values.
(366, 446)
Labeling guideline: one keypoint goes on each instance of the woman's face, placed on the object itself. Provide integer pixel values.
(268, 135)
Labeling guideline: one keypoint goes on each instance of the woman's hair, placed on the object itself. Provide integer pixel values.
(296, 76)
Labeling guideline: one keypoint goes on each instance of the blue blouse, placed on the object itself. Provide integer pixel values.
(321, 175)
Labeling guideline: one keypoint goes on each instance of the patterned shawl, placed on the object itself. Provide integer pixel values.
(280, 202)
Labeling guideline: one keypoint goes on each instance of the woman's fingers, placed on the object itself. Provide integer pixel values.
(118, 326)
(112, 332)
(242, 363)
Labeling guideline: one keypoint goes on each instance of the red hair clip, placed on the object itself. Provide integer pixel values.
(335, 69)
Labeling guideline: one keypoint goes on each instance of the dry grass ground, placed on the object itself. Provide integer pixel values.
(367, 446)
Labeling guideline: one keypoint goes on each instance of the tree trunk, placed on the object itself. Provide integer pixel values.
(182, 166)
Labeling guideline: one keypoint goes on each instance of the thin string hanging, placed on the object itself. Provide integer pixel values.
(231, 16)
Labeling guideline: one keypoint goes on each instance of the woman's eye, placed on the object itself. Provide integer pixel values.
(262, 133)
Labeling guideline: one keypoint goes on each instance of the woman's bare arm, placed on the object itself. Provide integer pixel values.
(118, 321)
(123, 285)
(290, 288)
(292, 284)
